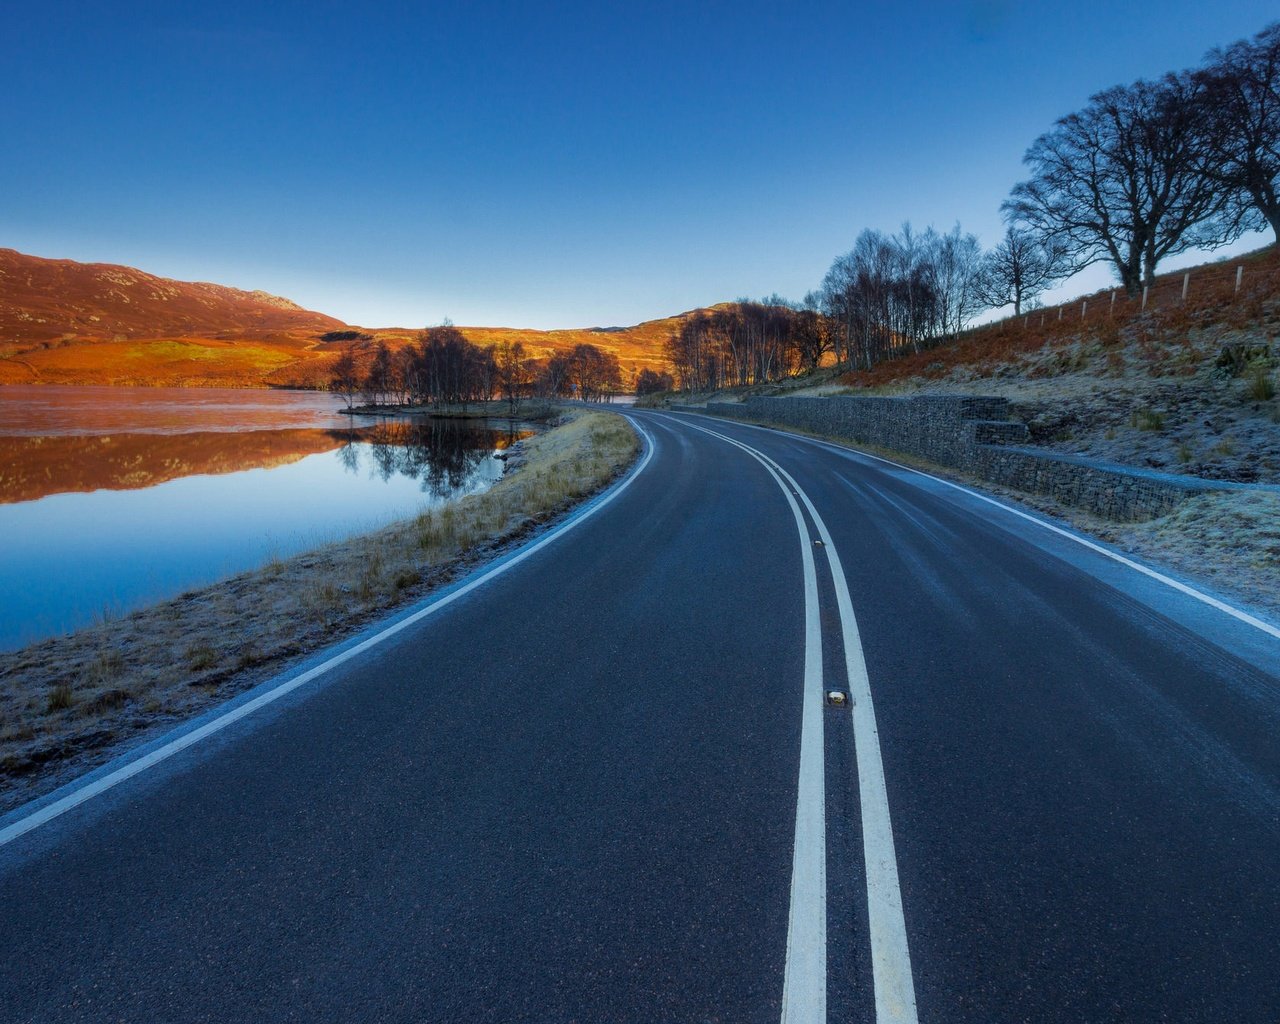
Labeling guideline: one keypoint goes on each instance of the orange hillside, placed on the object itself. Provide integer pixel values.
(63, 322)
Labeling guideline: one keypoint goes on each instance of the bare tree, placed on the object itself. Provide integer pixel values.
(514, 374)
(344, 375)
(650, 382)
(892, 293)
(812, 332)
(1242, 102)
(1121, 181)
(377, 382)
(551, 376)
(593, 373)
(445, 368)
(954, 264)
(1018, 269)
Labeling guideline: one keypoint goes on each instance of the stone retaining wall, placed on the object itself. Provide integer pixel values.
(974, 434)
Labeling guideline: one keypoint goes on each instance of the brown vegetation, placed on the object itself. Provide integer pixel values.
(1163, 335)
(50, 300)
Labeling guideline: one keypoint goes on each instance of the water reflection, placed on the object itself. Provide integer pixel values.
(119, 519)
(443, 454)
(33, 467)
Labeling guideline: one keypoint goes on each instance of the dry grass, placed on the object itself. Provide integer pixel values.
(71, 702)
(1230, 539)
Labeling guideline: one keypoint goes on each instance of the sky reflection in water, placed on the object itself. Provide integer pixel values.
(69, 556)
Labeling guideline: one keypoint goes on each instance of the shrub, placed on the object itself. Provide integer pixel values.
(1147, 419)
(201, 656)
(1236, 359)
(1259, 385)
(60, 698)
(105, 667)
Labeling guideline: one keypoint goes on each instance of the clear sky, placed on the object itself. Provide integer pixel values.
(541, 165)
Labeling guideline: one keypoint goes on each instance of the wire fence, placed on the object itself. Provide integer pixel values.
(1245, 285)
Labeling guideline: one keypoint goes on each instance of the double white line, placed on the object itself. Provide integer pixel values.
(804, 993)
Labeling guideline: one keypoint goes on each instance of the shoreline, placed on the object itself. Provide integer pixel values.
(71, 703)
(530, 411)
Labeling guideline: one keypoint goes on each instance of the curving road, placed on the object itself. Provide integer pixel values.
(606, 781)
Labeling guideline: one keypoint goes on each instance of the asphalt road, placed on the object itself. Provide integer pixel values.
(607, 784)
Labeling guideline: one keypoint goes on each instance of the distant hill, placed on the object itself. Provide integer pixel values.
(63, 322)
(636, 347)
(43, 300)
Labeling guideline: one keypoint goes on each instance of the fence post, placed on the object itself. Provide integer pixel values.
(1186, 280)
(1113, 302)
(1084, 308)
(1144, 295)
(1239, 276)
(1059, 314)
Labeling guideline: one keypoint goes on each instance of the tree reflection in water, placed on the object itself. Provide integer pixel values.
(444, 454)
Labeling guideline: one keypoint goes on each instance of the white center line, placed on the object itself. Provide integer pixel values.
(890, 955)
(804, 985)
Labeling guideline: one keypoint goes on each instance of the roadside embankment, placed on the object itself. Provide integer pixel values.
(1226, 535)
(70, 703)
(975, 434)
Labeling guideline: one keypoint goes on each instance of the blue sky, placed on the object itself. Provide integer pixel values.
(553, 165)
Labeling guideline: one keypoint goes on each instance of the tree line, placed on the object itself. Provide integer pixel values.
(745, 342)
(441, 367)
(1143, 172)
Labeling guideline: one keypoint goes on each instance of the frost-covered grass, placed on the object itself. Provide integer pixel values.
(71, 702)
(1230, 539)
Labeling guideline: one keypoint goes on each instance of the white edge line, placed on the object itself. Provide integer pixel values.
(1183, 588)
(87, 792)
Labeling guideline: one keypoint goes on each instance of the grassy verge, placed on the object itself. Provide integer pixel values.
(70, 703)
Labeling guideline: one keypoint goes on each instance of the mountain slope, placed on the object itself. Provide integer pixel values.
(63, 322)
(42, 299)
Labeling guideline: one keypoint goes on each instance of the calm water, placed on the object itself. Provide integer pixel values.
(114, 497)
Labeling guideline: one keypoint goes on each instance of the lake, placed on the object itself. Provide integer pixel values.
(111, 498)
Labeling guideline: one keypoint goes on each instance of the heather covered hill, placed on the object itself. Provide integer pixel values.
(63, 322)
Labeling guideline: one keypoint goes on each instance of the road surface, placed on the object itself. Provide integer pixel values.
(607, 781)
